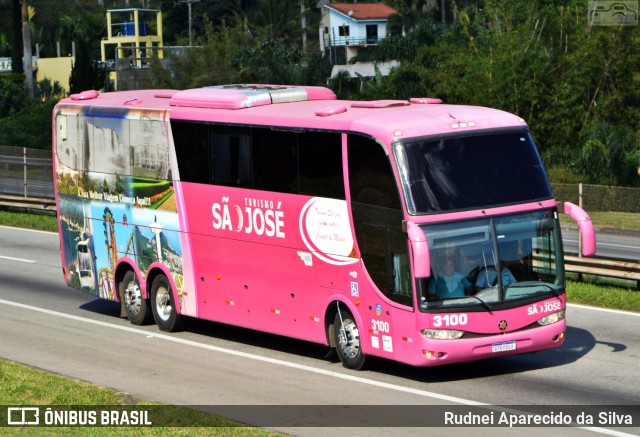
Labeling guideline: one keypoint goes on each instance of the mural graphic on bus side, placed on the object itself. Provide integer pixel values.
(97, 234)
(116, 197)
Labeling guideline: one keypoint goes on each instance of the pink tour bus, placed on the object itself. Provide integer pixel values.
(404, 229)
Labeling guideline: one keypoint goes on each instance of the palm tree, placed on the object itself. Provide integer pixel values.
(28, 54)
(410, 12)
(16, 52)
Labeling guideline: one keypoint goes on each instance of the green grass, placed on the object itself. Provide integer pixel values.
(607, 293)
(22, 385)
(619, 220)
(40, 221)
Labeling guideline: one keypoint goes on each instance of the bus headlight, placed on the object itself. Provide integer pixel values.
(441, 334)
(551, 318)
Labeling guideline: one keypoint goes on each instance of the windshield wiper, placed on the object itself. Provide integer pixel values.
(484, 304)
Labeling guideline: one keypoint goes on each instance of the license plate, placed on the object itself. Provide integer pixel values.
(501, 347)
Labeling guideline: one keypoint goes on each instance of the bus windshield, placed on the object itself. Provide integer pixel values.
(487, 263)
(444, 174)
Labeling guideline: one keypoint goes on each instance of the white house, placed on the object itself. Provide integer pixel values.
(347, 28)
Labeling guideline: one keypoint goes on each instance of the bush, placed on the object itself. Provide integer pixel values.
(30, 127)
(564, 175)
(12, 93)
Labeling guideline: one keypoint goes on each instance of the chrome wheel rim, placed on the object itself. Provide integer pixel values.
(163, 303)
(133, 298)
(349, 339)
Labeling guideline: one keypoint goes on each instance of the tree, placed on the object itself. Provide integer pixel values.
(50, 91)
(410, 13)
(270, 61)
(16, 52)
(27, 49)
(541, 61)
(86, 73)
(610, 156)
(203, 13)
(12, 94)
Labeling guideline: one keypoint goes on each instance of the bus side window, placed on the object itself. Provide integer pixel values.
(275, 160)
(375, 206)
(320, 164)
(230, 156)
(190, 141)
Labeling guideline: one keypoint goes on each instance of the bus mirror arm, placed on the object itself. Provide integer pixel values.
(419, 248)
(585, 225)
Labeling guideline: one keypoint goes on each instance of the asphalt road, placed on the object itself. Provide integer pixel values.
(613, 244)
(50, 326)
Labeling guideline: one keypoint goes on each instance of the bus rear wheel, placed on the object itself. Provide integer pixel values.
(163, 305)
(135, 304)
(347, 341)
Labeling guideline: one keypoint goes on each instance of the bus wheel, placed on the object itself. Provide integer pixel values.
(347, 341)
(163, 305)
(134, 303)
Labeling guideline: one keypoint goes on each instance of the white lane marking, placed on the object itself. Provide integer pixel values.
(10, 258)
(357, 379)
(604, 310)
(242, 354)
(12, 228)
(599, 244)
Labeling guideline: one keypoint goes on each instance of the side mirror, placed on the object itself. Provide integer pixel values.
(420, 250)
(585, 225)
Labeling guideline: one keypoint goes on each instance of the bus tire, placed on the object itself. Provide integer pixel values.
(163, 305)
(347, 341)
(136, 306)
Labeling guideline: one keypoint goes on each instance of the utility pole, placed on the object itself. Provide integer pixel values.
(188, 2)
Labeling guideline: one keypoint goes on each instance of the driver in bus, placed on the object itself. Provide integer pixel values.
(449, 283)
(488, 277)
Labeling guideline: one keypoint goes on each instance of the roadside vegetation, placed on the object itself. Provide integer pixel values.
(616, 220)
(37, 221)
(23, 385)
(576, 84)
(607, 219)
(603, 292)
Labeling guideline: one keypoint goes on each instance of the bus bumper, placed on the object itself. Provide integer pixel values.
(440, 352)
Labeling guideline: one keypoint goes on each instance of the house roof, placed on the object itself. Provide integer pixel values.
(364, 11)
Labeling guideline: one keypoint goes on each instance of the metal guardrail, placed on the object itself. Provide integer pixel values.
(25, 172)
(597, 266)
(609, 267)
(38, 203)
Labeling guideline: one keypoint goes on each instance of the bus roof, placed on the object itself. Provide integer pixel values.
(306, 107)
